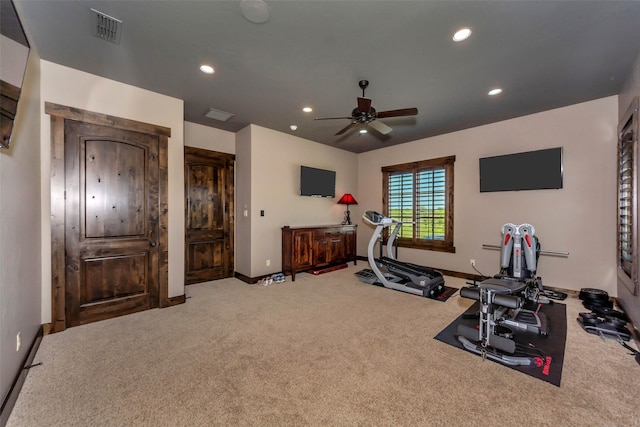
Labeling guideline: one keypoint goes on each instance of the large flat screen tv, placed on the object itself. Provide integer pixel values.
(531, 170)
(317, 182)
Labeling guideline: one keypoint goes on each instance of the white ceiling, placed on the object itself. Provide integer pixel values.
(544, 54)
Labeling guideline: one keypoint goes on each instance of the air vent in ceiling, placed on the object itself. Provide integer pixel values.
(105, 27)
(222, 116)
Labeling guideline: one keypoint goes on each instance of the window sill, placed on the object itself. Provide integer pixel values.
(428, 247)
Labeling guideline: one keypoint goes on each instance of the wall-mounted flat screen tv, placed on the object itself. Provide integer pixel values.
(531, 170)
(317, 182)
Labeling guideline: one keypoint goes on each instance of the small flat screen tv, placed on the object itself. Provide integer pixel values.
(317, 182)
(531, 170)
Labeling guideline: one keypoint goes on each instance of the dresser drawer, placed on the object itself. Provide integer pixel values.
(327, 232)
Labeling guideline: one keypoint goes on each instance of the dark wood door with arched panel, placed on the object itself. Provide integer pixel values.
(209, 215)
(109, 216)
(111, 222)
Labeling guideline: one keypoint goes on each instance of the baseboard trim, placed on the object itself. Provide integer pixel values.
(478, 278)
(451, 273)
(21, 375)
(246, 279)
(170, 302)
(47, 328)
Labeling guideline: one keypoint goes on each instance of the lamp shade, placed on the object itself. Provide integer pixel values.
(347, 199)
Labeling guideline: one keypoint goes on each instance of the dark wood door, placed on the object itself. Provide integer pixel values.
(111, 222)
(209, 215)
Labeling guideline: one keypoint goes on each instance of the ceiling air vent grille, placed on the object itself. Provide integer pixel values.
(105, 27)
(220, 115)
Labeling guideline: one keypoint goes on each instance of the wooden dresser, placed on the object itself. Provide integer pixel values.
(304, 248)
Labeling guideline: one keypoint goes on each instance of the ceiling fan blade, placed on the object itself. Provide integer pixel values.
(346, 128)
(364, 105)
(380, 127)
(398, 113)
(331, 118)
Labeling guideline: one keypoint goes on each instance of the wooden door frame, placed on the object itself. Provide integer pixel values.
(59, 114)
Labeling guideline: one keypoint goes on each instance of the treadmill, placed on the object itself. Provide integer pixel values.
(393, 274)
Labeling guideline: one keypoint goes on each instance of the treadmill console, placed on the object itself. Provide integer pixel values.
(376, 218)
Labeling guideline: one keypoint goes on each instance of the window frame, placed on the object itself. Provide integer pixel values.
(446, 163)
(627, 200)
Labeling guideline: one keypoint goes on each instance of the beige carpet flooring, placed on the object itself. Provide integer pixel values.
(323, 350)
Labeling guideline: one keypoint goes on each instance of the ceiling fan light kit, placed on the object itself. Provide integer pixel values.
(365, 115)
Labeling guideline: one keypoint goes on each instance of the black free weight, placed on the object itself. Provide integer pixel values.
(592, 294)
(593, 305)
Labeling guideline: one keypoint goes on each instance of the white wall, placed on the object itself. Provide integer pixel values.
(580, 218)
(208, 138)
(73, 88)
(243, 246)
(20, 260)
(275, 159)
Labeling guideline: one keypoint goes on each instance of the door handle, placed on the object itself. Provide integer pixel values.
(153, 244)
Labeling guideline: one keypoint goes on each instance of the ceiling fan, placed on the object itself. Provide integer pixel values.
(365, 115)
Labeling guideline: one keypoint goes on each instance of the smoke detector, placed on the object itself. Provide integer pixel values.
(105, 27)
(255, 11)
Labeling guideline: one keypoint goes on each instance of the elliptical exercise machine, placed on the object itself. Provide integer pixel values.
(394, 274)
(504, 297)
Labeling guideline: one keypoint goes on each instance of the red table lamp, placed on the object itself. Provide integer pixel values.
(347, 199)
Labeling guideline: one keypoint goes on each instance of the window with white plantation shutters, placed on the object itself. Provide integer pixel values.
(626, 201)
(430, 195)
(401, 187)
(420, 195)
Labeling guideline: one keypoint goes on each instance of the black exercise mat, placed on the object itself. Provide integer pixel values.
(549, 366)
(446, 294)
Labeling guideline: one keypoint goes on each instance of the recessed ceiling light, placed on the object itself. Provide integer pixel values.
(461, 34)
(363, 131)
(293, 127)
(307, 109)
(208, 69)
(494, 92)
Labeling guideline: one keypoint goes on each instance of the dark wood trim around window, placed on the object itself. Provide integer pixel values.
(627, 204)
(446, 163)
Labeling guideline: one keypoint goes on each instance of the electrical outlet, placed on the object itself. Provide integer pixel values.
(472, 262)
(268, 263)
(18, 342)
